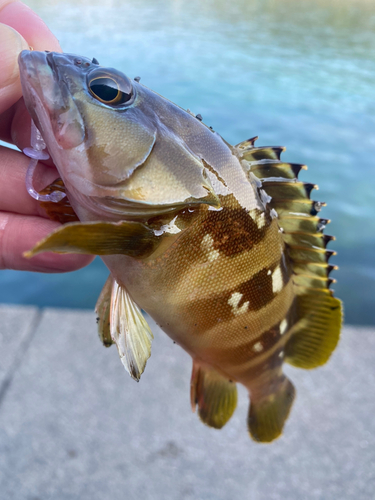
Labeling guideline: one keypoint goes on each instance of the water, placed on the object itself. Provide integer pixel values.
(299, 74)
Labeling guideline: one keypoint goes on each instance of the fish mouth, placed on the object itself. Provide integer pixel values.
(39, 74)
(36, 76)
(49, 100)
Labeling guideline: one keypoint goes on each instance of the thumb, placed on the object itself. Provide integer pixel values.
(11, 44)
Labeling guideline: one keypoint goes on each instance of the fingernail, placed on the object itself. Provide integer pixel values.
(11, 44)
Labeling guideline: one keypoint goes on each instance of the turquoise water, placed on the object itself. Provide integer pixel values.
(297, 73)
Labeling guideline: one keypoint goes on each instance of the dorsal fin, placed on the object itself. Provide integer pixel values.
(249, 143)
(317, 329)
(263, 153)
(277, 169)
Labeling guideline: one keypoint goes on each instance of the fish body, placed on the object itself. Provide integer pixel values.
(220, 244)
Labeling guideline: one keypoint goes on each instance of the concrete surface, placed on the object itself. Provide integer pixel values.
(73, 425)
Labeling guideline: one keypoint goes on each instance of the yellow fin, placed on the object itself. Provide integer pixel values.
(298, 221)
(262, 153)
(215, 396)
(99, 238)
(248, 144)
(316, 240)
(277, 169)
(130, 331)
(288, 189)
(268, 413)
(102, 310)
(316, 334)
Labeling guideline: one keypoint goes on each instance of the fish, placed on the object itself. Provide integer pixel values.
(220, 244)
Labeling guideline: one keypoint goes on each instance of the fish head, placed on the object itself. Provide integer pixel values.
(111, 138)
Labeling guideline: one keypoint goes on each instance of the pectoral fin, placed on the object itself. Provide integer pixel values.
(99, 238)
(215, 396)
(130, 331)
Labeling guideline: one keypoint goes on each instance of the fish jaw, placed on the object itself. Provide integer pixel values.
(49, 102)
(55, 114)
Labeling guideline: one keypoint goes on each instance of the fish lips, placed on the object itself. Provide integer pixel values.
(49, 101)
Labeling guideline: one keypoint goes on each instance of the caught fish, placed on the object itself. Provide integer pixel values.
(220, 244)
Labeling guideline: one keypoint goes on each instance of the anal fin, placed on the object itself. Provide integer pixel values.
(215, 395)
(130, 331)
(268, 412)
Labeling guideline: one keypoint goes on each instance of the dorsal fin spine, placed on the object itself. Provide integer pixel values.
(297, 213)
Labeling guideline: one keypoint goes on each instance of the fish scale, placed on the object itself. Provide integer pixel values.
(220, 244)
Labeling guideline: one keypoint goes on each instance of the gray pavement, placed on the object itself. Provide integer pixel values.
(73, 425)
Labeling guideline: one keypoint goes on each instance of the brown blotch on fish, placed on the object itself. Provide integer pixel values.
(232, 230)
(244, 353)
(261, 288)
(257, 292)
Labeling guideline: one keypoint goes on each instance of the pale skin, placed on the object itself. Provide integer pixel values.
(22, 222)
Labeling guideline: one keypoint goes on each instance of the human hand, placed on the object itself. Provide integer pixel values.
(22, 221)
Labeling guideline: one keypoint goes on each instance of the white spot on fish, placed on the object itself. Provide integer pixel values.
(207, 246)
(277, 280)
(235, 300)
(170, 228)
(261, 220)
(258, 347)
(283, 326)
(281, 354)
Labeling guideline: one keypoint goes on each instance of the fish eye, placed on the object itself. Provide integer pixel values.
(111, 88)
